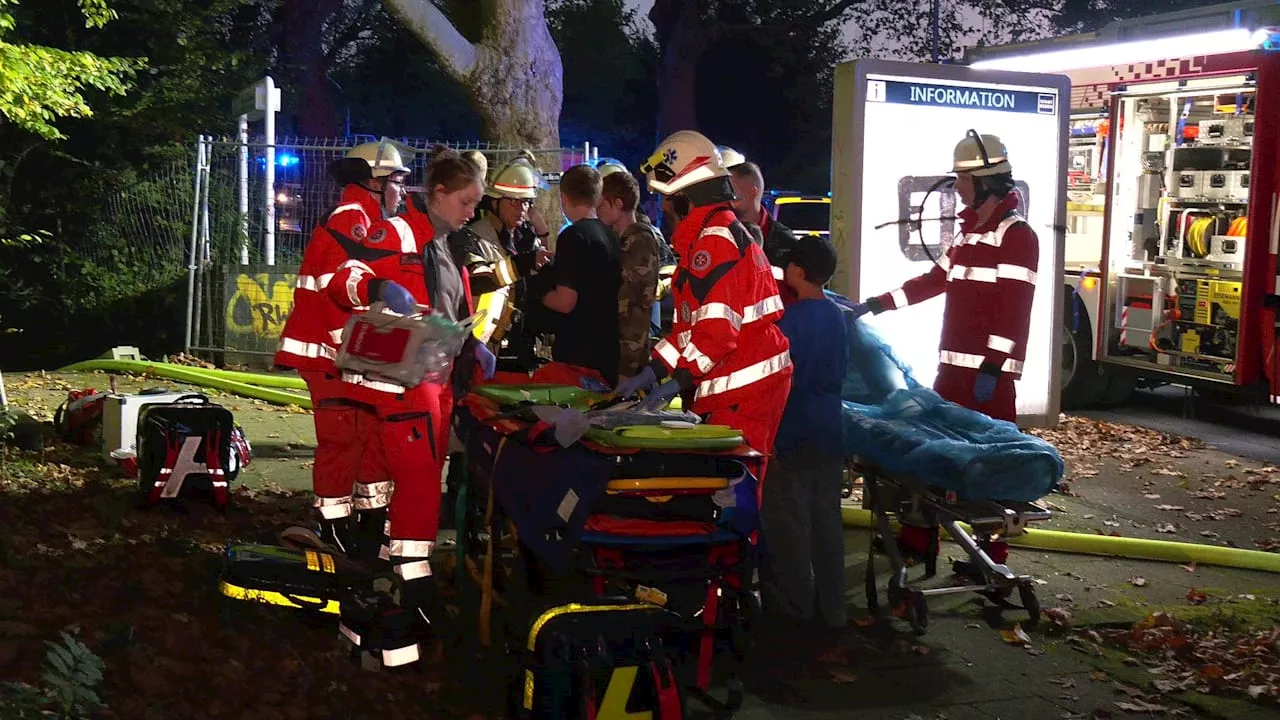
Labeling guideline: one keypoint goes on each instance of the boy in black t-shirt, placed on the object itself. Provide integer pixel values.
(588, 273)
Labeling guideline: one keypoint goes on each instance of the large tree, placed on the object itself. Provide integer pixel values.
(685, 30)
(509, 64)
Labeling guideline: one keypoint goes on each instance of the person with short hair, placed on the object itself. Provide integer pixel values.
(776, 239)
(588, 273)
(800, 505)
(641, 255)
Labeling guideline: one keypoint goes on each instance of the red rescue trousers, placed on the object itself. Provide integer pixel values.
(755, 412)
(955, 384)
(349, 455)
(415, 438)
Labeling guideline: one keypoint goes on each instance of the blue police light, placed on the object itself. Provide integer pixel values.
(285, 159)
(1267, 39)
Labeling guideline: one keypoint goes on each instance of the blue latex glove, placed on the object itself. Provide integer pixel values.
(642, 380)
(397, 298)
(586, 382)
(659, 397)
(857, 310)
(488, 361)
(984, 388)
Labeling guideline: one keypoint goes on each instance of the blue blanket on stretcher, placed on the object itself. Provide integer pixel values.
(890, 421)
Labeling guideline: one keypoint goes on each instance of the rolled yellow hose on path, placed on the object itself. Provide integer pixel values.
(1134, 548)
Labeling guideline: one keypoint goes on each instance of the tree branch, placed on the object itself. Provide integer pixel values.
(425, 22)
(814, 19)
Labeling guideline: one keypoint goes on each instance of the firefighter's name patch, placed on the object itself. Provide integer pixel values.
(701, 260)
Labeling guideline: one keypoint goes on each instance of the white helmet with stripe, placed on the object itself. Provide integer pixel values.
(981, 155)
(517, 179)
(685, 158)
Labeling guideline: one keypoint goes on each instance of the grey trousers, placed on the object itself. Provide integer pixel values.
(803, 573)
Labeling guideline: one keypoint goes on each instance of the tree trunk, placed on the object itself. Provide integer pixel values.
(681, 39)
(513, 74)
(303, 50)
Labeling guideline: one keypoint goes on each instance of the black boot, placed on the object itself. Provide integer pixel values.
(378, 632)
(337, 534)
(417, 585)
(370, 534)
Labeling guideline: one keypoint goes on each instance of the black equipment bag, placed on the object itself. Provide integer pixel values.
(301, 579)
(188, 448)
(599, 660)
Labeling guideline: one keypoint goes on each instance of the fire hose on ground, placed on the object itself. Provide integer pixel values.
(250, 385)
(1132, 548)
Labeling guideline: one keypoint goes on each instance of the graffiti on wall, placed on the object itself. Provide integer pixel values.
(259, 303)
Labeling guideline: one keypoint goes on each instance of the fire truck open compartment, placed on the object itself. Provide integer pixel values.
(1178, 186)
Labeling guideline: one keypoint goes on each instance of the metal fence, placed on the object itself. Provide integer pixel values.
(240, 289)
(138, 240)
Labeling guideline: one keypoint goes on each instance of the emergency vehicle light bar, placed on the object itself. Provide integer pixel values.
(1088, 55)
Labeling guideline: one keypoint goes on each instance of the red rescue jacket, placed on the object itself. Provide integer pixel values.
(393, 251)
(312, 333)
(724, 332)
(989, 276)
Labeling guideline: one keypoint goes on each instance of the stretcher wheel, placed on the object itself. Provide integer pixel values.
(873, 594)
(917, 611)
(1030, 603)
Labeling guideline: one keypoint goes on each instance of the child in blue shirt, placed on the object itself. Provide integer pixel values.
(800, 504)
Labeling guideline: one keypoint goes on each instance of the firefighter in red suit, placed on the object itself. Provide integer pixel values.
(989, 277)
(724, 345)
(407, 265)
(349, 477)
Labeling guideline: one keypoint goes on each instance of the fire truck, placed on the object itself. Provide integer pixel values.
(1173, 175)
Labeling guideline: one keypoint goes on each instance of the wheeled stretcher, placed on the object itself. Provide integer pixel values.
(932, 465)
(665, 516)
(926, 511)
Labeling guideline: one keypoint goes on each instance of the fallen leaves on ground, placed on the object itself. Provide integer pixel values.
(1187, 658)
(1080, 438)
(142, 587)
(1016, 636)
(1057, 616)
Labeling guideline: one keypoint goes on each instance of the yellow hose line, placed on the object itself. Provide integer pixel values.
(1133, 548)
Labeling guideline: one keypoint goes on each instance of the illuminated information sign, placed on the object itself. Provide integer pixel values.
(896, 127)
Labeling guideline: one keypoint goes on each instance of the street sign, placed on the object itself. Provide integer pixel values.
(253, 101)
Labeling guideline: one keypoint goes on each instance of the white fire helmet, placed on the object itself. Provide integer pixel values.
(731, 157)
(981, 155)
(685, 158)
(384, 157)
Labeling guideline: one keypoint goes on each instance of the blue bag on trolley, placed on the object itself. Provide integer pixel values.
(904, 429)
